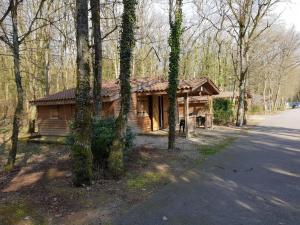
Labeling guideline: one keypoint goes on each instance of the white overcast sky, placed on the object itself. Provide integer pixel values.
(290, 13)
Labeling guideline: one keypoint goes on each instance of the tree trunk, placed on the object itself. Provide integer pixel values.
(174, 43)
(47, 67)
(20, 92)
(97, 57)
(115, 160)
(264, 96)
(241, 104)
(82, 155)
(243, 70)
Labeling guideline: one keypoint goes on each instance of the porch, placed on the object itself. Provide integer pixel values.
(192, 113)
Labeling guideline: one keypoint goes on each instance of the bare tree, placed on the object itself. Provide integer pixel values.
(247, 18)
(14, 39)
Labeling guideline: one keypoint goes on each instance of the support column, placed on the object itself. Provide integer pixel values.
(186, 114)
(209, 115)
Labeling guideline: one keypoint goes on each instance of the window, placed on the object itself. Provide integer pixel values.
(54, 113)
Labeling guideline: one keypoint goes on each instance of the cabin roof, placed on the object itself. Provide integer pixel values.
(110, 90)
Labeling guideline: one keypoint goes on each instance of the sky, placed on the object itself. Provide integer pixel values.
(290, 13)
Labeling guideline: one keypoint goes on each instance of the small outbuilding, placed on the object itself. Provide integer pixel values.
(149, 105)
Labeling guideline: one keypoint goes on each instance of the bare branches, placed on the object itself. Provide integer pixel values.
(35, 18)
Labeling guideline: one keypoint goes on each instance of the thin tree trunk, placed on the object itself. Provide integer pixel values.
(97, 57)
(47, 67)
(264, 96)
(241, 104)
(20, 92)
(242, 80)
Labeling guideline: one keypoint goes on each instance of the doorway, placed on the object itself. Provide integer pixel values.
(156, 112)
(161, 111)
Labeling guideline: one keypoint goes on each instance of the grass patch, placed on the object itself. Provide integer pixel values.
(143, 180)
(208, 150)
(49, 140)
(14, 213)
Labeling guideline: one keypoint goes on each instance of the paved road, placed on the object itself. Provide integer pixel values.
(255, 181)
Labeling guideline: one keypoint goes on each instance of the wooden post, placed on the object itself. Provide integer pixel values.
(186, 114)
(210, 104)
(209, 116)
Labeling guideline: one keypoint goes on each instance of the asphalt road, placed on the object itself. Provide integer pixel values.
(255, 181)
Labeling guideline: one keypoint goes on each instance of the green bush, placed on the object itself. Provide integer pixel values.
(102, 136)
(103, 133)
(256, 109)
(223, 113)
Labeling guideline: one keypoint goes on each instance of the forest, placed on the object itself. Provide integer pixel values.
(48, 46)
(240, 45)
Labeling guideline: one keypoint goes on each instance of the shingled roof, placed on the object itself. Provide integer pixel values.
(110, 90)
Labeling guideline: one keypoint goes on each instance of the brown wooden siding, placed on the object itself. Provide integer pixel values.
(196, 109)
(143, 115)
(54, 120)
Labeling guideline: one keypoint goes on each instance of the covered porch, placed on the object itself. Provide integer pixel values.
(194, 101)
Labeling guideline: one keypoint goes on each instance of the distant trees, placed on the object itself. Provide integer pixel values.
(277, 63)
(11, 36)
(218, 39)
(81, 148)
(247, 24)
(175, 20)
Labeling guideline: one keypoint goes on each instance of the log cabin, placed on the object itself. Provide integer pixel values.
(149, 105)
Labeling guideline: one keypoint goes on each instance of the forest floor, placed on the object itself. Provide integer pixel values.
(39, 190)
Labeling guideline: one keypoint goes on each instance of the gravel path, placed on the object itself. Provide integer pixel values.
(255, 181)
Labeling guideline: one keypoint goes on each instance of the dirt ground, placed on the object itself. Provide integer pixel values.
(39, 190)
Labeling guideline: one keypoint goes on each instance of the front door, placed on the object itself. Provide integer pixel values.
(158, 113)
(161, 111)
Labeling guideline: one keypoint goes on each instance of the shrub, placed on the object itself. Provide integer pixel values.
(223, 112)
(103, 133)
(102, 136)
(256, 109)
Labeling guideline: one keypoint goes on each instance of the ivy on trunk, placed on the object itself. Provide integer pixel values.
(127, 42)
(174, 58)
(81, 149)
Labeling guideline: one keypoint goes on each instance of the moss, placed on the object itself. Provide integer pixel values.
(143, 180)
(115, 160)
(13, 213)
(48, 140)
(208, 150)
(82, 164)
(174, 58)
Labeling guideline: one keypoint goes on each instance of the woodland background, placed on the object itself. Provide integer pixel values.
(48, 54)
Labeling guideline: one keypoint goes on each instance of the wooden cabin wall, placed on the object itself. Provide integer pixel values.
(54, 120)
(143, 114)
(166, 111)
(108, 109)
(133, 121)
(196, 109)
